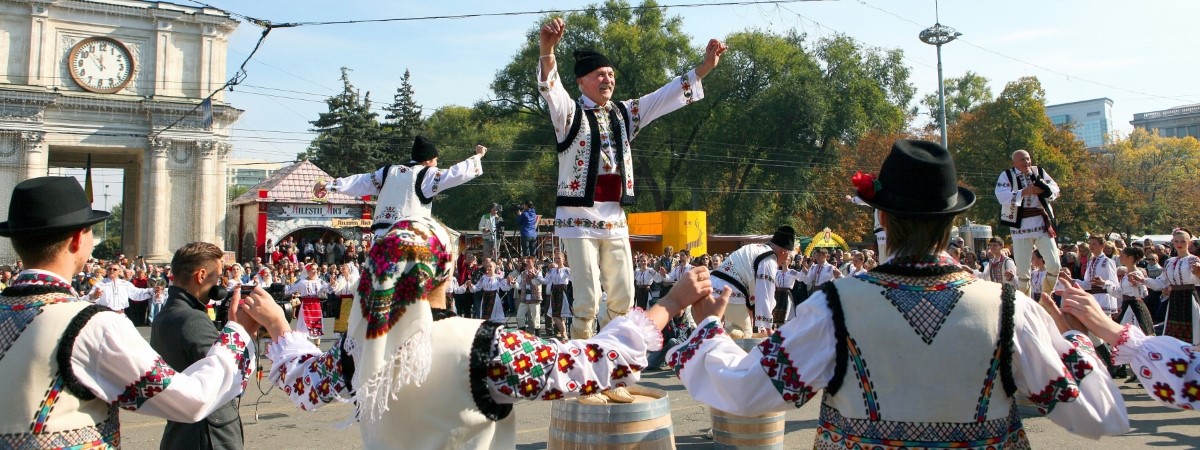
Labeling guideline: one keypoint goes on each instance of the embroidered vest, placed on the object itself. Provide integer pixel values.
(443, 413)
(40, 409)
(579, 156)
(874, 401)
(400, 195)
(1010, 213)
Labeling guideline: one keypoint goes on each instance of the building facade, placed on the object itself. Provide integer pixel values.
(1090, 120)
(246, 173)
(122, 81)
(1180, 121)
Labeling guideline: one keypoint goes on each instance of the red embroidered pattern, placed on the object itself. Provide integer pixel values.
(688, 350)
(784, 375)
(150, 384)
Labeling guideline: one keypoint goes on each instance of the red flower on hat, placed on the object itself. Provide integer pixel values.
(866, 184)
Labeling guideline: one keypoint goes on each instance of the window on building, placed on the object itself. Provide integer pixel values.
(1166, 132)
(1194, 131)
(1093, 113)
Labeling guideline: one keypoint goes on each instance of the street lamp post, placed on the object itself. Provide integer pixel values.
(106, 209)
(937, 35)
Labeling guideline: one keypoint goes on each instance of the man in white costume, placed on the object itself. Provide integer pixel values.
(595, 169)
(917, 352)
(406, 189)
(1025, 192)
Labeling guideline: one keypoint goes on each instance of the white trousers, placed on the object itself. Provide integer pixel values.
(1023, 257)
(596, 264)
(738, 317)
(529, 308)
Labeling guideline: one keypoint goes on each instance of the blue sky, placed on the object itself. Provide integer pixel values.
(1136, 53)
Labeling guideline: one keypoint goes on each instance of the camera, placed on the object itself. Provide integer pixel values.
(276, 291)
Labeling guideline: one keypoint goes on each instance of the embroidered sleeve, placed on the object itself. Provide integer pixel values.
(358, 185)
(1053, 194)
(1168, 368)
(310, 378)
(764, 296)
(677, 93)
(524, 367)
(438, 180)
(112, 360)
(558, 101)
(784, 371)
(1063, 376)
(1004, 190)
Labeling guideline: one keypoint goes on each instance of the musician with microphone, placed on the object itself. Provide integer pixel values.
(1025, 192)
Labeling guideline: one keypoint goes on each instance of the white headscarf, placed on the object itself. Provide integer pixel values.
(390, 320)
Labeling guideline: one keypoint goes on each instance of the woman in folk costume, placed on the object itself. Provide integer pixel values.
(917, 353)
(1133, 310)
(559, 278)
(1181, 275)
(1168, 368)
(422, 378)
(343, 287)
(406, 189)
(492, 284)
(310, 289)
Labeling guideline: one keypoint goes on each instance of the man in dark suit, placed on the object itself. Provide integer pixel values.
(182, 333)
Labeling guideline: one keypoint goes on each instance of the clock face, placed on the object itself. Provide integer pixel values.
(101, 65)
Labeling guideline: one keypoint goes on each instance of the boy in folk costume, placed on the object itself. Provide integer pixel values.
(406, 189)
(422, 378)
(1025, 192)
(916, 353)
(595, 169)
(310, 290)
(69, 366)
(750, 271)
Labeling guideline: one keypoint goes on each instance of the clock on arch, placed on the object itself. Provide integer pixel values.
(101, 64)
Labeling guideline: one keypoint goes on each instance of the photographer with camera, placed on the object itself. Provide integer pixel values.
(527, 219)
(489, 227)
(183, 334)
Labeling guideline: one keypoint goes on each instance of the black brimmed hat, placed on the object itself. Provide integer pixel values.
(47, 204)
(785, 238)
(918, 178)
(423, 150)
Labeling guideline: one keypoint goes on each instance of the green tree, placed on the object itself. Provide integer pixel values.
(983, 142)
(403, 120)
(1156, 172)
(111, 230)
(349, 138)
(236, 191)
(963, 95)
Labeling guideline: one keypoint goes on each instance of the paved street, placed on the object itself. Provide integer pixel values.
(279, 425)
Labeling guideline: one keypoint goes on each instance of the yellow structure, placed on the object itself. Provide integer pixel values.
(826, 238)
(678, 229)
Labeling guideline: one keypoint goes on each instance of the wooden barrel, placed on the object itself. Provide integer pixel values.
(745, 433)
(644, 424)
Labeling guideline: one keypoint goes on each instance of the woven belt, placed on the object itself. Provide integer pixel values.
(1182, 286)
(1031, 212)
(1097, 291)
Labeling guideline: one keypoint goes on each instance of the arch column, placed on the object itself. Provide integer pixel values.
(36, 157)
(158, 196)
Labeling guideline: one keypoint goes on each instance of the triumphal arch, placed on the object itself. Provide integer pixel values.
(120, 81)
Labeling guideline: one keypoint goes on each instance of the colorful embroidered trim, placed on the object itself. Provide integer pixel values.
(47, 405)
(39, 279)
(781, 369)
(684, 353)
(838, 432)
(870, 400)
(105, 435)
(985, 396)
(1061, 389)
(232, 341)
(155, 380)
(887, 281)
(589, 223)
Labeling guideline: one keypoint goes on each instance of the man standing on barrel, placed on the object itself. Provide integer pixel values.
(595, 169)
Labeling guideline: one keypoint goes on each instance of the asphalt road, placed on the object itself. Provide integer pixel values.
(271, 422)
